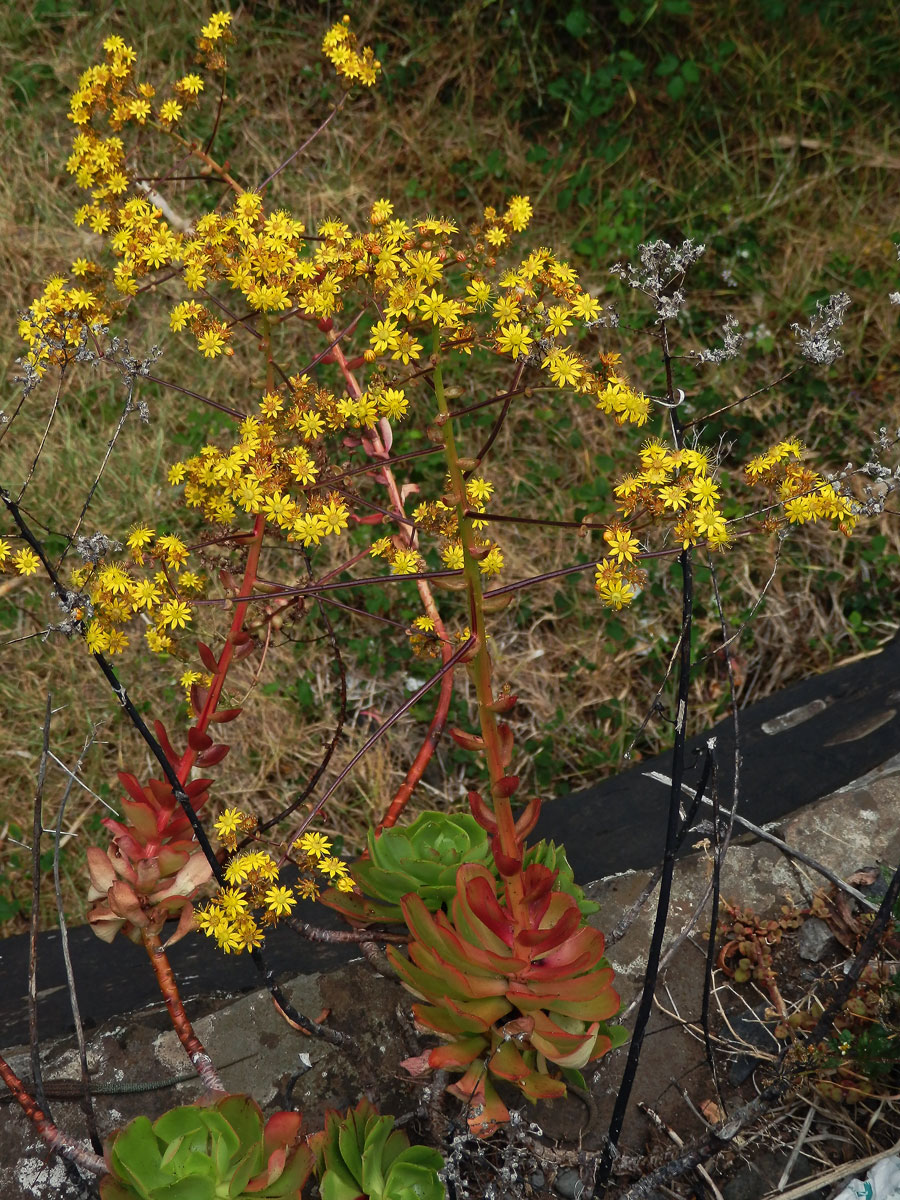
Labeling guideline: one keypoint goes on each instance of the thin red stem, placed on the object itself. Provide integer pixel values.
(57, 1141)
(193, 1047)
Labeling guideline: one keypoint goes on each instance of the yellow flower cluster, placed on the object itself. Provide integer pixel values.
(617, 578)
(341, 48)
(274, 466)
(675, 485)
(119, 594)
(804, 494)
(438, 518)
(253, 884)
(55, 324)
(422, 280)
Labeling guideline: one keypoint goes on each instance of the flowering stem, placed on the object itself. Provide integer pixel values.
(379, 451)
(224, 662)
(194, 1049)
(426, 750)
(57, 1141)
(248, 582)
(481, 661)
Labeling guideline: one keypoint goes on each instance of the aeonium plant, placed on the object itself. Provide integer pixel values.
(356, 327)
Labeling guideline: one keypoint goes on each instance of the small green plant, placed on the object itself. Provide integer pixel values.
(208, 1152)
(360, 1156)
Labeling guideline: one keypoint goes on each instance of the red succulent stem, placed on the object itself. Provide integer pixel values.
(57, 1141)
(193, 1047)
(435, 729)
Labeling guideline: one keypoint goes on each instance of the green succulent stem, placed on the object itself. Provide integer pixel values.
(481, 666)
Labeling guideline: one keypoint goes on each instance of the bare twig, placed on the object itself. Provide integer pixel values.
(670, 1133)
(790, 851)
(34, 923)
(86, 1099)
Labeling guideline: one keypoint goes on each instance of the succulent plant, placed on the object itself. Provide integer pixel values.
(153, 866)
(360, 1156)
(208, 1152)
(524, 998)
(423, 858)
(549, 855)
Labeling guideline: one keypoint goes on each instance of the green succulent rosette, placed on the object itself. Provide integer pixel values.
(360, 1156)
(223, 1151)
(423, 858)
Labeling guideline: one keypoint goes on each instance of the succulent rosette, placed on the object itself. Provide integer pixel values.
(153, 866)
(360, 1156)
(208, 1152)
(423, 858)
(524, 999)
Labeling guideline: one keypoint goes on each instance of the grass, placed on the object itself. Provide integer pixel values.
(770, 137)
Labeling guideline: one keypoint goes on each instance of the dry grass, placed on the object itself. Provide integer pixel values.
(762, 164)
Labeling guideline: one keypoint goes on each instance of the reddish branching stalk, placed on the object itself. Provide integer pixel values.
(225, 659)
(378, 450)
(193, 1047)
(426, 750)
(63, 1145)
(508, 841)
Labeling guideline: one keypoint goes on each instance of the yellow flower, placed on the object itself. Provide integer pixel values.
(334, 517)
(229, 822)
(173, 549)
(211, 343)
(616, 593)
(586, 307)
(514, 339)
(430, 306)
(232, 902)
(26, 561)
(175, 614)
(384, 336)
(159, 643)
(381, 210)
(280, 901)
(558, 319)
(479, 292)
(519, 212)
(315, 845)
(140, 536)
(332, 867)
(492, 563)
(710, 523)
(97, 638)
(622, 545)
(170, 111)
(192, 84)
(405, 562)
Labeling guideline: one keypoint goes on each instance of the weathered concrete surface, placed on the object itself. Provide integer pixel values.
(260, 1054)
